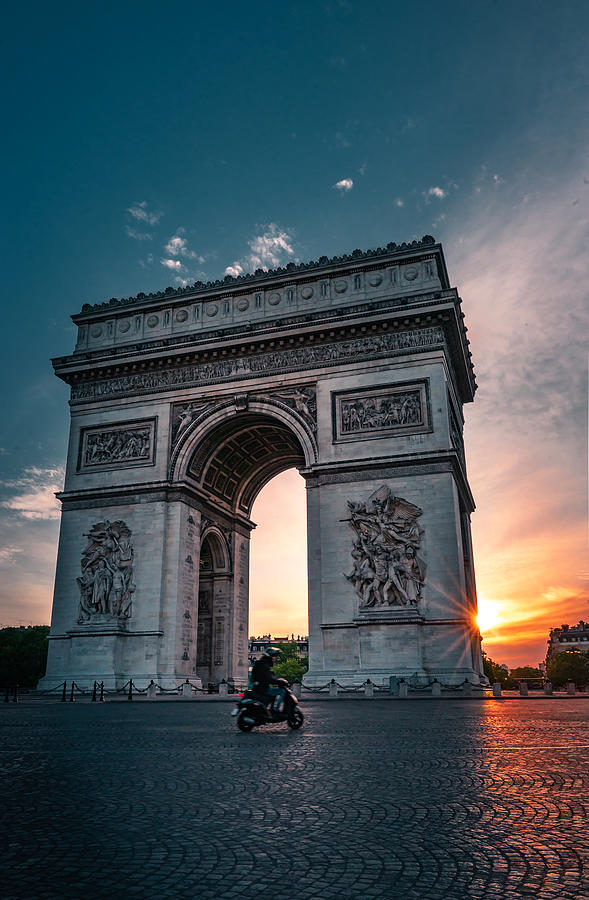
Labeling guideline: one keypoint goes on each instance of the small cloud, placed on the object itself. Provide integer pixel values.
(362, 169)
(267, 250)
(137, 235)
(178, 246)
(141, 212)
(345, 185)
(173, 264)
(34, 496)
(437, 192)
(8, 554)
(399, 202)
(341, 141)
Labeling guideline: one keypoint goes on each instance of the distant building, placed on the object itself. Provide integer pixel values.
(257, 645)
(568, 637)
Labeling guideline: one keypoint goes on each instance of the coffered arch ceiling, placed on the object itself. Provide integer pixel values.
(238, 457)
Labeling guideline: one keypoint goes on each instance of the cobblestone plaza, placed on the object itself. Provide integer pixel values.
(437, 800)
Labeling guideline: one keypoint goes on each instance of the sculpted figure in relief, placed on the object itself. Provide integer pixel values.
(106, 583)
(386, 569)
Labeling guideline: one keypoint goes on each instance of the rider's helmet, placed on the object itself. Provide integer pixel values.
(271, 652)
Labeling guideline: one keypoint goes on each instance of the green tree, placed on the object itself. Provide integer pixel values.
(23, 655)
(493, 670)
(290, 666)
(569, 665)
(523, 672)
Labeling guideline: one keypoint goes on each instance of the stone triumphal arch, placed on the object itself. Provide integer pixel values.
(185, 403)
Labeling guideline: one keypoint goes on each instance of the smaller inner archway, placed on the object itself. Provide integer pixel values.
(214, 601)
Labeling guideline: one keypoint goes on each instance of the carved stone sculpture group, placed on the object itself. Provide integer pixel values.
(375, 413)
(118, 445)
(386, 568)
(106, 583)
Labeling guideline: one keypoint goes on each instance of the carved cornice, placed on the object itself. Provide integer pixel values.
(260, 275)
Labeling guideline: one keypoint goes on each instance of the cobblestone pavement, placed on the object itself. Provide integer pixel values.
(437, 799)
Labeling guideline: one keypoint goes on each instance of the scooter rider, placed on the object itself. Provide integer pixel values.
(264, 681)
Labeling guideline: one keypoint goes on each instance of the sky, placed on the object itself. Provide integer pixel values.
(152, 144)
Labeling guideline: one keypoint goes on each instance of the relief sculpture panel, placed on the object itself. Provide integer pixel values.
(117, 446)
(376, 413)
(106, 583)
(386, 569)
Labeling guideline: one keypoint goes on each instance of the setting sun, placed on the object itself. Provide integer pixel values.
(488, 614)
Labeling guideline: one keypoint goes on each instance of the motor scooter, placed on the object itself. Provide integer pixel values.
(253, 709)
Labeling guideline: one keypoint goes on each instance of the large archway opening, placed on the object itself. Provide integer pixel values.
(278, 561)
(241, 455)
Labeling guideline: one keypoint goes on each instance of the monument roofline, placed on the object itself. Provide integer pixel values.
(230, 284)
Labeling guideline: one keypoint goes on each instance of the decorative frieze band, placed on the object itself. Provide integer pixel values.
(243, 367)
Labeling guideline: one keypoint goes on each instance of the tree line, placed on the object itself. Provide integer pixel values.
(565, 666)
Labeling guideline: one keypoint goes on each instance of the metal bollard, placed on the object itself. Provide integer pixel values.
(94, 693)
(467, 688)
(548, 688)
(297, 689)
(523, 688)
(187, 689)
(72, 698)
(102, 692)
(151, 690)
(223, 688)
(332, 688)
(15, 695)
(497, 689)
(571, 687)
(436, 688)
(63, 693)
(130, 694)
(368, 688)
(403, 689)
(393, 685)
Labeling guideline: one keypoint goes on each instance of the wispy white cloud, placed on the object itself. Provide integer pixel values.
(267, 250)
(345, 185)
(9, 554)
(437, 192)
(173, 264)
(142, 213)
(178, 246)
(31, 496)
(399, 202)
(137, 235)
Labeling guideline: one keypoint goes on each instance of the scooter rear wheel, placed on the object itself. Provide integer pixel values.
(295, 720)
(242, 724)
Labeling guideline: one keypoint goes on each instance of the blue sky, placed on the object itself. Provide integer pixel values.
(150, 142)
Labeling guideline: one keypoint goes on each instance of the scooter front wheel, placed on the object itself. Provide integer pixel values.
(244, 722)
(295, 720)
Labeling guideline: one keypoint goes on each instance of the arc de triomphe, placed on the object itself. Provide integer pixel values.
(185, 403)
